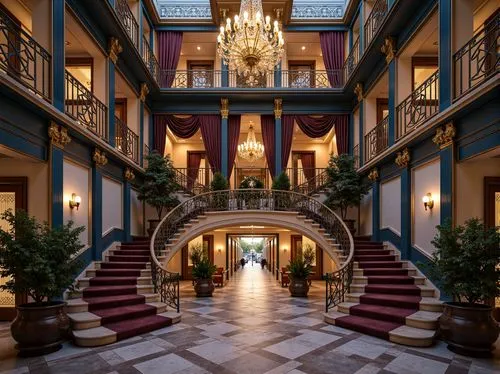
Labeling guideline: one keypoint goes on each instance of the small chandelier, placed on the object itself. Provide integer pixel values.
(250, 45)
(251, 149)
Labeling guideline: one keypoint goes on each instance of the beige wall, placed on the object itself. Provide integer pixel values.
(390, 205)
(403, 72)
(365, 214)
(136, 214)
(356, 127)
(112, 198)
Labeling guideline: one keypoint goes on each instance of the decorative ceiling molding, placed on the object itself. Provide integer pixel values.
(184, 9)
(314, 10)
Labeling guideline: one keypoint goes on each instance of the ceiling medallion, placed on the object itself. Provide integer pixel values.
(250, 45)
(251, 149)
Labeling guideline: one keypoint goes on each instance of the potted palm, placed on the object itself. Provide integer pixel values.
(465, 266)
(39, 261)
(203, 270)
(345, 186)
(299, 271)
(158, 187)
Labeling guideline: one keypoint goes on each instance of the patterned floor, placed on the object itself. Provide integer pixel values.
(249, 326)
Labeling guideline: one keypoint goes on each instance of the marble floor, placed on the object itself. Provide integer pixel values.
(249, 326)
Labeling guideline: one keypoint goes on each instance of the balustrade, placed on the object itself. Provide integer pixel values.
(374, 20)
(376, 141)
(352, 60)
(126, 141)
(128, 21)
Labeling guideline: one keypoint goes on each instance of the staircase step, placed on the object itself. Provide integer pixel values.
(371, 258)
(393, 289)
(380, 264)
(390, 279)
(97, 303)
(112, 281)
(372, 252)
(413, 337)
(94, 337)
(123, 265)
(123, 313)
(131, 252)
(402, 301)
(98, 291)
(117, 273)
(383, 313)
(114, 258)
(369, 326)
(388, 271)
(137, 326)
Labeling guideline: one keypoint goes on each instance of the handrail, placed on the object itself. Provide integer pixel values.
(313, 184)
(128, 21)
(188, 184)
(376, 141)
(126, 141)
(374, 20)
(166, 283)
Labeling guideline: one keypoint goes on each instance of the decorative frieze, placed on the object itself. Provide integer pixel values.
(403, 158)
(389, 48)
(129, 174)
(114, 49)
(308, 11)
(358, 91)
(224, 108)
(373, 176)
(444, 136)
(181, 9)
(144, 92)
(278, 108)
(99, 157)
(58, 135)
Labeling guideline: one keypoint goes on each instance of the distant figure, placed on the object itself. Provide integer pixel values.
(263, 263)
(242, 262)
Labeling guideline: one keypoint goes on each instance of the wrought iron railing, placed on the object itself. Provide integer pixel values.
(23, 59)
(126, 141)
(313, 184)
(261, 174)
(189, 183)
(312, 78)
(479, 59)
(166, 283)
(376, 141)
(83, 106)
(128, 21)
(374, 20)
(421, 105)
(150, 60)
(306, 180)
(355, 153)
(145, 152)
(352, 60)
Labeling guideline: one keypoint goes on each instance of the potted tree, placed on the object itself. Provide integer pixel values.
(281, 183)
(464, 266)
(345, 186)
(250, 197)
(220, 183)
(203, 270)
(158, 187)
(39, 261)
(299, 272)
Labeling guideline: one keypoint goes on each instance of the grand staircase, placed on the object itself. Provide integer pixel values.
(388, 298)
(115, 300)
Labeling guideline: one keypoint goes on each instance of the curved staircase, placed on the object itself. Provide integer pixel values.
(115, 300)
(388, 298)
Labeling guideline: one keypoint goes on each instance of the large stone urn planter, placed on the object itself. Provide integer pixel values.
(204, 287)
(39, 329)
(298, 287)
(469, 329)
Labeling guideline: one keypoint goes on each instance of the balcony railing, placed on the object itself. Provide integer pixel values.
(294, 79)
(307, 181)
(355, 153)
(376, 141)
(375, 19)
(23, 59)
(128, 21)
(201, 176)
(145, 153)
(84, 107)
(126, 141)
(352, 60)
(478, 59)
(150, 60)
(421, 105)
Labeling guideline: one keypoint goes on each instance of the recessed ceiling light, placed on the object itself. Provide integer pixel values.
(198, 48)
(303, 47)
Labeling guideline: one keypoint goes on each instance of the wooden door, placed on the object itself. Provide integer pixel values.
(317, 266)
(13, 195)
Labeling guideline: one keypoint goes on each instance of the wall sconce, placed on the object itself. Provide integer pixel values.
(75, 201)
(285, 250)
(219, 250)
(428, 201)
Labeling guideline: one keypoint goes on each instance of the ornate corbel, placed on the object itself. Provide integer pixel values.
(144, 92)
(224, 108)
(389, 48)
(99, 157)
(373, 176)
(129, 174)
(58, 135)
(444, 136)
(358, 91)
(114, 49)
(278, 108)
(403, 158)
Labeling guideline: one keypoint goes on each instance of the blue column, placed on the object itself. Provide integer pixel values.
(277, 75)
(126, 211)
(361, 136)
(392, 101)
(447, 159)
(96, 213)
(405, 214)
(277, 146)
(111, 102)
(361, 28)
(224, 146)
(445, 54)
(350, 39)
(224, 74)
(376, 210)
(56, 179)
(390, 3)
(58, 47)
(141, 133)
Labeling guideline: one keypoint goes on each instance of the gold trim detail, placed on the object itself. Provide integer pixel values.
(358, 91)
(58, 135)
(389, 48)
(99, 157)
(224, 108)
(278, 108)
(144, 92)
(444, 135)
(114, 49)
(403, 158)
(373, 176)
(129, 174)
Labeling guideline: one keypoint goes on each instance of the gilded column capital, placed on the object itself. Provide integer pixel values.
(389, 48)
(278, 108)
(444, 135)
(373, 176)
(358, 91)
(99, 157)
(114, 49)
(129, 174)
(58, 135)
(224, 108)
(403, 158)
(144, 92)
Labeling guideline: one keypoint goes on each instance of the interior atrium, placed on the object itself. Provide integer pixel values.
(250, 186)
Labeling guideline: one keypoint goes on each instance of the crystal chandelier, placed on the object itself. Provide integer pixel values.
(251, 149)
(250, 45)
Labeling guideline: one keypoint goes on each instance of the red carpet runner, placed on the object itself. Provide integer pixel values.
(112, 294)
(390, 295)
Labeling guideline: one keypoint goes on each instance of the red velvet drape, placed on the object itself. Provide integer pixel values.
(317, 127)
(307, 160)
(342, 133)
(169, 51)
(159, 134)
(268, 136)
(210, 125)
(287, 124)
(194, 160)
(234, 124)
(332, 48)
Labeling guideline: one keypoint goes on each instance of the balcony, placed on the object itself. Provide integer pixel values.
(81, 105)
(150, 60)
(197, 176)
(128, 21)
(126, 141)
(307, 180)
(375, 19)
(23, 59)
(352, 60)
(376, 141)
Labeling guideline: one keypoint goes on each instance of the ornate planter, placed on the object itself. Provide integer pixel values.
(204, 287)
(469, 329)
(298, 287)
(39, 329)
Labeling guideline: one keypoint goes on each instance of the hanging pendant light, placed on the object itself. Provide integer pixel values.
(251, 150)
